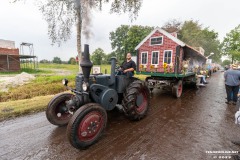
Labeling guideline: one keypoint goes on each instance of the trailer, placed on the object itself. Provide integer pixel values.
(168, 62)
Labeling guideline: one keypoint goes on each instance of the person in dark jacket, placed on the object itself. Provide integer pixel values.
(129, 66)
(232, 82)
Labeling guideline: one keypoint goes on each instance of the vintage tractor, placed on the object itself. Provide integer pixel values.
(85, 111)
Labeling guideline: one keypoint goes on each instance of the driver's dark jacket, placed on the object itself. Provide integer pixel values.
(130, 64)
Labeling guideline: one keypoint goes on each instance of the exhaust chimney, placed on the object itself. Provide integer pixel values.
(113, 66)
(86, 64)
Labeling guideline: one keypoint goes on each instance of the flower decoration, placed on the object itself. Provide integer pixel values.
(145, 67)
(152, 67)
(141, 67)
(170, 67)
(185, 65)
(165, 66)
(195, 68)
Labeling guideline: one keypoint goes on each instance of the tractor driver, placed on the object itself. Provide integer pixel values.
(128, 66)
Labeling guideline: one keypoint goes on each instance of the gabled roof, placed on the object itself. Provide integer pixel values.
(179, 42)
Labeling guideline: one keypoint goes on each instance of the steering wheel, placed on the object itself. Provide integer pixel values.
(118, 70)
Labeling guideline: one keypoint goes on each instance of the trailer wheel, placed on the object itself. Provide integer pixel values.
(87, 125)
(57, 113)
(177, 89)
(150, 87)
(136, 100)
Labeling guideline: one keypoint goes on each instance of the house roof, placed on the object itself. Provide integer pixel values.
(179, 42)
(198, 53)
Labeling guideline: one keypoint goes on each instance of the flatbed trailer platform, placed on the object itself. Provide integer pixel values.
(169, 81)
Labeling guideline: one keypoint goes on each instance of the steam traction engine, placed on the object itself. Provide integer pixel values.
(84, 111)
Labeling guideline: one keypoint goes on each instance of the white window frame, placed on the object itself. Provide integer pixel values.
(164, 55)
(156, 44)
(147, 58)
(152, 58)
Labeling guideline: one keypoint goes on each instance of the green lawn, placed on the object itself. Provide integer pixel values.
(73, 68)
(21, 107)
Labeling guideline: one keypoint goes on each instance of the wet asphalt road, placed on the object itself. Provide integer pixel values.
(184, 128)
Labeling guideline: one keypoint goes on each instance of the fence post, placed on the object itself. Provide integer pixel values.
(8, 63)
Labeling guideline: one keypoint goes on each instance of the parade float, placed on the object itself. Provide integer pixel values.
(168, 62)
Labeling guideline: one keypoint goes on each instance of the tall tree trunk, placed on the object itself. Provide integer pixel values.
(79, 32)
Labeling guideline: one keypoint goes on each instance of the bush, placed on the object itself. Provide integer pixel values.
(57, 60)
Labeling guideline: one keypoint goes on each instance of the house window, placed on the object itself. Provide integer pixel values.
(156, 40)
(155, 56)
(144, 58)
(167, 57)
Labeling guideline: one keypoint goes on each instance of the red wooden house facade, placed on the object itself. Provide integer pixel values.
(161, 47)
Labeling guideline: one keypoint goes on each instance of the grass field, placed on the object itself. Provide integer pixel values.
(35, 95)
(72, 68)
(21, 107)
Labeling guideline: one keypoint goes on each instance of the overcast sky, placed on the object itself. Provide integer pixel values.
(23, 22)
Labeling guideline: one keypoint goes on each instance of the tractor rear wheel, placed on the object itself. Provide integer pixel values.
(57, 112)
(136, 100)
(87, 125)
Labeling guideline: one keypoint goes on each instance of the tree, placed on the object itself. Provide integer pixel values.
(44, 61)
(125, 38)
(57, 60)
(172, 25)
(226, 62)
(192, 33)
(210, 43)
(98, 57)
(231, 44)
(72, 61)
(61, 15)
(119, 40)
(109, 56)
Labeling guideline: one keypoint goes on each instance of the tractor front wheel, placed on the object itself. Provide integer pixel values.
(136, 100)
(87, 125)
(57, 112)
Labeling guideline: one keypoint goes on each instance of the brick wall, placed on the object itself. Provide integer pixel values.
(9, 51)
(9, 59)
(168, 44)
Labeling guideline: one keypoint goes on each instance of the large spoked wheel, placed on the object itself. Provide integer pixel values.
(136, 100)
(57, 113)
(87, 125)
(177, 89)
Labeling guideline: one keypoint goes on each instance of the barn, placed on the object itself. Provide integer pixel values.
(160, 49)
(9, 56)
